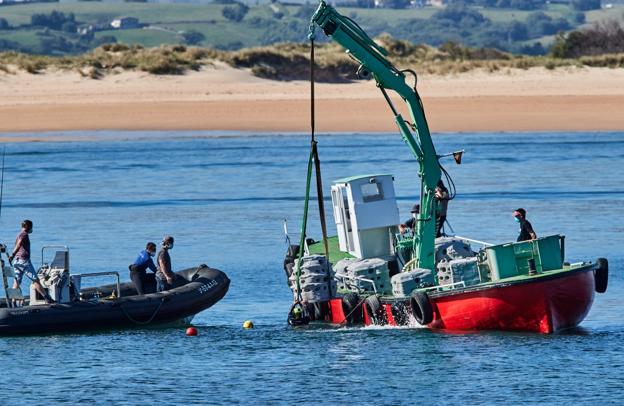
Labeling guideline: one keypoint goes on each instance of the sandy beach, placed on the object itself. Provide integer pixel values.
(221, 98)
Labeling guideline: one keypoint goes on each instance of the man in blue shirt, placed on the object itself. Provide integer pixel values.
(143, 261)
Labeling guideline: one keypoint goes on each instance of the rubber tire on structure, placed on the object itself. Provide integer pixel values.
(373, 309)
(421, 308)
(349, 303)
(601, 275)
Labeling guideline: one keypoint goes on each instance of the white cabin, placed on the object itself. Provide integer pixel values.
(366, 214)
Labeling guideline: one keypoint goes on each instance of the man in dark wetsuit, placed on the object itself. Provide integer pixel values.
(140, 265)
(411, 223)
(526, 229)
(22, 264)
(165, 276)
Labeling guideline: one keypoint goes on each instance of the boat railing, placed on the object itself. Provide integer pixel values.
(454, 285)
(483, 243)
(345, 278)
(94, 274)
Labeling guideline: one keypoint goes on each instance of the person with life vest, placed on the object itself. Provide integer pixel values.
(20, 260)
(165, 276)
(141, 264)
(526, 229)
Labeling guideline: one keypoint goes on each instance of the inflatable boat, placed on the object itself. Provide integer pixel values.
(112, 306)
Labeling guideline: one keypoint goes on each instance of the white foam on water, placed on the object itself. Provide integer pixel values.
(412, 324)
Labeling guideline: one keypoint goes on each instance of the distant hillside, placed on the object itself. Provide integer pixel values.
(73, 28)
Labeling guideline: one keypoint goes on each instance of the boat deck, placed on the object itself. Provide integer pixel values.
(336, 255)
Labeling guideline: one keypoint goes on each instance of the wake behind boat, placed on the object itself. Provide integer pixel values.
(376, 272)
(109, 306)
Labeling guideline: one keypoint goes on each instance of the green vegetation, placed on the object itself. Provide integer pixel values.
(236, 12)
(290, 61)
(517, 26)
(602, 38)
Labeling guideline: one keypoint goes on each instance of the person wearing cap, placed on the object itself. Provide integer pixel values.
(442, 196)
(20, 259)
(140, 265)
(165, 276)
(526, 229)
(411, 223)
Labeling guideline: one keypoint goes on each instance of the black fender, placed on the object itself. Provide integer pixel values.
(350, 302)
(421, 308)
(374, 309)
(601, 275)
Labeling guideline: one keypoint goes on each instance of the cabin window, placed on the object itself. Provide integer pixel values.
(371, 192)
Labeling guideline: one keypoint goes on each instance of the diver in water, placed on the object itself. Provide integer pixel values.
(164, 276)
(140, 265)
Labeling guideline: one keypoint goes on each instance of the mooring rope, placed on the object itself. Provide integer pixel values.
(142, 323)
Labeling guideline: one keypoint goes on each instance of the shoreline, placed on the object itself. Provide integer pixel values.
(223, 99)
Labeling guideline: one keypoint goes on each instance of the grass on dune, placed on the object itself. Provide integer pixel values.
(290, 61)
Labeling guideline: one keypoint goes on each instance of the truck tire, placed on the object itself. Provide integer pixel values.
(374, 310)
(349, 303)
(421, 308)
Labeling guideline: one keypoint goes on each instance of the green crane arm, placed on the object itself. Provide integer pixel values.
(372, 58)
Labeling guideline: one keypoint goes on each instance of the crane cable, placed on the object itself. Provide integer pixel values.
(317, 161)
(319, 182)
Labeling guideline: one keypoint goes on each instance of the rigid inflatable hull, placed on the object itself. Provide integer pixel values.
(543, 305)
(195, 289)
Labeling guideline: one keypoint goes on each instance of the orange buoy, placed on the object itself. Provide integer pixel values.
(191, 331)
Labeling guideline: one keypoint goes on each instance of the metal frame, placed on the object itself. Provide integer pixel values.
(65, 247)
(116, 274)
(485, 244)
(357, 278)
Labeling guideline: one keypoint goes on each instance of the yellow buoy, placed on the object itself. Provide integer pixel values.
(247, 324)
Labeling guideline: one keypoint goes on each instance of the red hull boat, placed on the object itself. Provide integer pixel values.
(380, 271)
(544, 304)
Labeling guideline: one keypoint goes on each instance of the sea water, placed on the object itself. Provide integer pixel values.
(224, 197)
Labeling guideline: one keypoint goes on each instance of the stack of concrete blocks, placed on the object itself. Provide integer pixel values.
(360, 275)
(316, 279)
(404, 283)
(458, 270)
(450, 248)
(456, 262)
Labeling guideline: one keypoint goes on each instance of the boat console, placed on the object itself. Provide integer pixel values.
(53, 276)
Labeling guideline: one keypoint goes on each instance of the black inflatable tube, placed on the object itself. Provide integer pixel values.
(195, 289)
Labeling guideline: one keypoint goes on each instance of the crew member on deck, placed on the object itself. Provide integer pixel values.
(526, 229)
(140, 265)
(164, 276)
(22, 264)
(442, 196)
(411, 223)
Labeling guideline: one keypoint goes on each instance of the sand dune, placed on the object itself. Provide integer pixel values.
(223, 98)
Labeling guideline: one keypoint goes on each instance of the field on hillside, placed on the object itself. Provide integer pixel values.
(263, 24)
